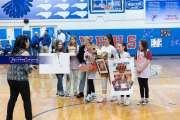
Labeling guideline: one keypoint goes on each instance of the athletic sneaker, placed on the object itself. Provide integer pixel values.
(102, 100)
(127, 102)
(57, 94)
(88, 98)
(66, 96)
(94, 96)
(120, 102)
(114, 98)
(140, 102)
(145, 102)
(61, 95)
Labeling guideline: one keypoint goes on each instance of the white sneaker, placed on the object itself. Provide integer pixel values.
(66, 96)
(120, 102)
(94, 96)
(127, 102)
(88, 98)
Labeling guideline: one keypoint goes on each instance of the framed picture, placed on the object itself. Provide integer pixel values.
(102, 68)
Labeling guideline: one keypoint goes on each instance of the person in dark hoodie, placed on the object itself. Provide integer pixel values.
(80, 57)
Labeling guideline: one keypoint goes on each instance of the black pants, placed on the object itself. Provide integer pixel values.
(126, 95)
(91, 86)
(143, 84)
(23, 88)
(6, 52)
(52, 49)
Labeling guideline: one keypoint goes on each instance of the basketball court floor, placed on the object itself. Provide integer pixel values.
(164, 85)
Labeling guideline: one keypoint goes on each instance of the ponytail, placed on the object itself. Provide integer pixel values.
(124, 44)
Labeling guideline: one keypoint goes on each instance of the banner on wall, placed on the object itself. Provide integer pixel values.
(156, 42)
(43, 9)
(134, 4)
(122, 76)
(175, 42)
(97, 6)
(162, 11)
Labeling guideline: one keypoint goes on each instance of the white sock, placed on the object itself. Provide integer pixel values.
(104, 95)
(128, 98)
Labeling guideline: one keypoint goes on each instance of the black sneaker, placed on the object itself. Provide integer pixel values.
(140, 102)
(145, 102)
(81, 94)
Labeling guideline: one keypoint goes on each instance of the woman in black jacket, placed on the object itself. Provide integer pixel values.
(80, 57)
(17, 77)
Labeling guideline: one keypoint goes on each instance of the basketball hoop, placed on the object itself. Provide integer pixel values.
(107, 7)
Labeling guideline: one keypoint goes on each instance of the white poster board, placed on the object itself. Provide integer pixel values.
(60, 64)
(122, 76)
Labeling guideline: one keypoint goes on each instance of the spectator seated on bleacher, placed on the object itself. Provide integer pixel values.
(1, 49)
(8, 49)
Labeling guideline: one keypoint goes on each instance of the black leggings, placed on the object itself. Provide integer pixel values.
(143, 84)
(91, 86)
(126, 95)
(23, 88)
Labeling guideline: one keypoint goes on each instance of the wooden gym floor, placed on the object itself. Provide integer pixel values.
(164, 85)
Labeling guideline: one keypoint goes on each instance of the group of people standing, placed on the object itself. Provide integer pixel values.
(45, 41)
(18, 82)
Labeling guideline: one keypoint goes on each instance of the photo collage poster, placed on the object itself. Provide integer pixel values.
(156, 42)
(122, 76)
(165, 32)
(148, 33)
(175, 42)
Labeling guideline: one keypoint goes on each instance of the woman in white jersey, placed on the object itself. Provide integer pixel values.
(122, 48)
(108, 47)
(142, 61)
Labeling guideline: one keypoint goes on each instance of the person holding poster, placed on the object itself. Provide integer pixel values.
(91, 73)
(108, 47)
(59, 48)
(122, 48)
(142, 61)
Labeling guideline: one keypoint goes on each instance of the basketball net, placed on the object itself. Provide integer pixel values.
(107, 7)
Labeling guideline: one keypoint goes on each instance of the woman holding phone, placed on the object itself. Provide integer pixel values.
(17, 77)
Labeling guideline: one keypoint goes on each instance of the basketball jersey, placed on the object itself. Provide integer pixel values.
(141, 60)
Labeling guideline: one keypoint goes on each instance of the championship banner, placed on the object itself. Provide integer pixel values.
(60, 64)
(158, 11)
(122, 76)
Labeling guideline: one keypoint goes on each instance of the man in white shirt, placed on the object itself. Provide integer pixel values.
(61, 36)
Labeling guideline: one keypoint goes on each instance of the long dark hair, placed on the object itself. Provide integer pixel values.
(110, 38)
(145, 46)
(124, 45)
(19, 44)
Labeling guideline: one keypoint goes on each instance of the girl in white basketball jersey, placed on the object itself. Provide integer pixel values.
(122, 48)
(142, 61)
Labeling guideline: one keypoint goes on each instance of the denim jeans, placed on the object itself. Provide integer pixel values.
(82, 82)
(60, 82)
(34, 52)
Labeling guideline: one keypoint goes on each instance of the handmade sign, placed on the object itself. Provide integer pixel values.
(61, 64)
(122, 76)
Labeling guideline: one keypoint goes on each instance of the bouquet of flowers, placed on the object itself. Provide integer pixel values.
(72, 50)
(99, 55)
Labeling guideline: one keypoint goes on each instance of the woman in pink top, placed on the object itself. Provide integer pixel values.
(122, 48)
(142, 61)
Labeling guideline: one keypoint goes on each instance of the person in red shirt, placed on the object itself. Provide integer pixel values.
(142, 61)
